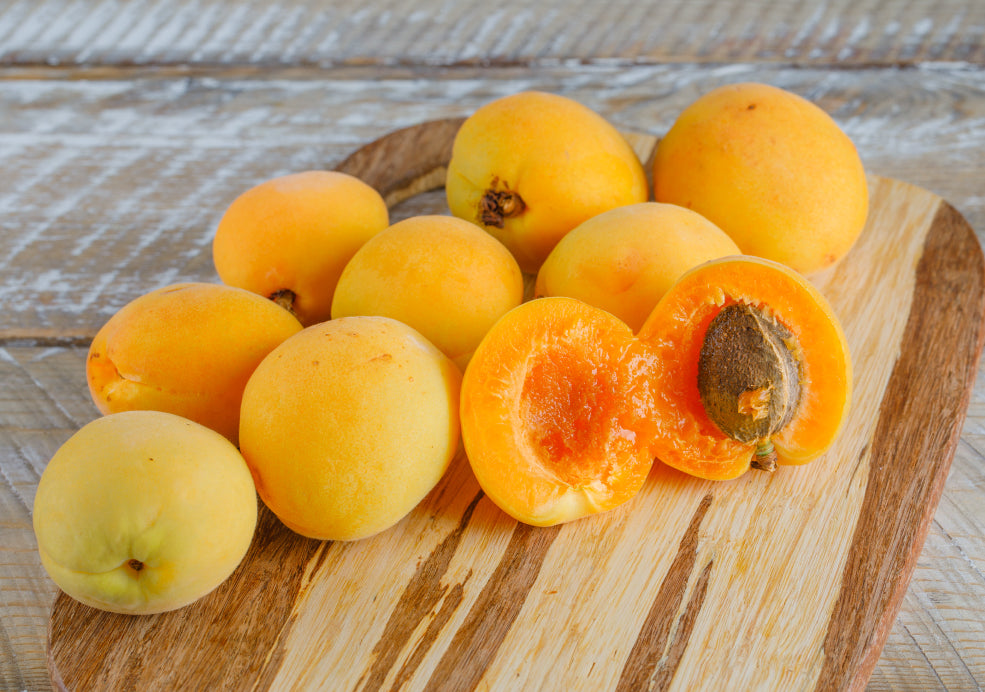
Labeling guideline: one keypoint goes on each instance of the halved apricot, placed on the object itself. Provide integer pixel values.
(556, 412)
(752, 369)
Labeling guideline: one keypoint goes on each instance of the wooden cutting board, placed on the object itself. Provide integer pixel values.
(784, 581)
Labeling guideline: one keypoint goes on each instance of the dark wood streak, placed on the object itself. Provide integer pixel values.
(931, 380)
(239, 628)
(422, 593)
(478, 639)
(650, 664)
(449, 605)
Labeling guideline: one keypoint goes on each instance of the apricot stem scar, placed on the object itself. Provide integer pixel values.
(135, 564)
(498, 205)
(765, 457)
(285, 297)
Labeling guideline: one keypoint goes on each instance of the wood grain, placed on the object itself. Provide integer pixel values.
(318, 33)
(722, 579)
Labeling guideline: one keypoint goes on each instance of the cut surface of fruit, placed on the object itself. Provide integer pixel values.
(687, 438)
(556, 412)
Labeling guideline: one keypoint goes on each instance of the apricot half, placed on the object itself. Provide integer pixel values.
(771, 169)
(556, 412)
(531, 166)
(751, 369)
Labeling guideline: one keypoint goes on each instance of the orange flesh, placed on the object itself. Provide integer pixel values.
(556, 412)
(687, 439)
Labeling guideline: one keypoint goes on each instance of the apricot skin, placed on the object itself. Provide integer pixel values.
(187, 349)
(443, 276)
(347, 425)
(565, 162)
(771, 169)
(292, 236)
(625, 259)
(143, 512)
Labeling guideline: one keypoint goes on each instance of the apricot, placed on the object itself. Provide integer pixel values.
(751, 368)
(556, 412)
(143, 512)
(289, 238)
(531, 166)
(445, 277)
(771, 169)
(348, 424)
(187, 349)
(625, 259)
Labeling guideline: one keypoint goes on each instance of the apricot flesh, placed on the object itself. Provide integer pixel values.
(348, 424)
(556, 412)
(687, 438)
(531, 166)
(771, 169)
(143, 512)
(186, 349)
(625, 259)
(289, 238)
(443, 276)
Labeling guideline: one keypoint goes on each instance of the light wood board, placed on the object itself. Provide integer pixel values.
(783, 581)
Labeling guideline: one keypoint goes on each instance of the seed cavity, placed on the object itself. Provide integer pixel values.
(749, 375)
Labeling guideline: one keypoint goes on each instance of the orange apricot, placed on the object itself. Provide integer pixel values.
(531, 166)
(289, 238)
(771, 169)
(751, 368)
(443, 276)
(555, 412)
(186, 349)
(625, 259)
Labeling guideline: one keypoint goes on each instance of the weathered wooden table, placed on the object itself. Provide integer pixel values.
(126, 129)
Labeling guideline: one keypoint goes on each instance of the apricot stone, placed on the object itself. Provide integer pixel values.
(186, 349)
(625, 259)
(771, 169)
(445, 277)
(531, 166)
(348, 424)
(289, 238)
(143, 512)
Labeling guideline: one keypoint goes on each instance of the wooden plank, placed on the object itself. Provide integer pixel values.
(510, 32)
(574, 593)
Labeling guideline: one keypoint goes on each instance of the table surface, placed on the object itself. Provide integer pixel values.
(126, 128)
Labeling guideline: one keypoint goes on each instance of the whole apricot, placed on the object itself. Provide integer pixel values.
(771, 169)
(556, 412)
(445, 277)
(625, 259)
(531, 166)
(143, 512)
(348, 424)
(186, 349)
(289, 238)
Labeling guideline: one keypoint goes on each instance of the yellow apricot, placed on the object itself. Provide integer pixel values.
(347, 425)
(445, 277)
(290, 237)
(186, 349)
(625, 259)
(143, 512)
(531, 166)
(771, 169)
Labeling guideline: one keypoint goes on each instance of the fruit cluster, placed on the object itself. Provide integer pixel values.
(342, 360)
